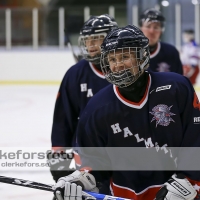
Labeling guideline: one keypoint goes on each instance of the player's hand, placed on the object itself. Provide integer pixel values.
(70, 187)
(59, 163)
(176, 188)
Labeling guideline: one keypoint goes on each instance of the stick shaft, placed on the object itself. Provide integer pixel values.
(77, 58)
(25, 183)
(41, 186)
(73, 53)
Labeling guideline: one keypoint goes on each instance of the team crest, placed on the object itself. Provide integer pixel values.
(162, 115)
(163, 67)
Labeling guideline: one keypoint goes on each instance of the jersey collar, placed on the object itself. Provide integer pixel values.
(96, 71)
(156, 51)
(131, 104)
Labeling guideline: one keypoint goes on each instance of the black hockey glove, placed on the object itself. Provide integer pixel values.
(59, 163)
(176, 188)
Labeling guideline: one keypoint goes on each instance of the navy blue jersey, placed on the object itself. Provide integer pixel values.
(167, 116)
(79, 84)
(165, 59)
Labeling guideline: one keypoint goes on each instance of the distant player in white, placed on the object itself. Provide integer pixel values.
(190, 56)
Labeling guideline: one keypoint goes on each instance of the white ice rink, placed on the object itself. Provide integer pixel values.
(26, 118)
(26, 113)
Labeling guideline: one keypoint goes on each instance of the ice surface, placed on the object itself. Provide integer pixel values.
(26, 114)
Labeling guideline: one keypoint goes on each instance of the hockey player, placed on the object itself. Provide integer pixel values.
(190, 56)
(78, 86)
(141, 109)
(164, 57)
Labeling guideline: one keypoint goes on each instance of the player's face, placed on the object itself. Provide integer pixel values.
(152, 30)
(93, 44)
(121, 60)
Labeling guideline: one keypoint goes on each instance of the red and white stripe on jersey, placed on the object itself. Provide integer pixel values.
(195, 184)
(96, 71)
(125, 192)
(156, 51)
(138, 105)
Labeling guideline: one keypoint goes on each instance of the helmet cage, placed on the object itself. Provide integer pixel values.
(95, 27)
(134, 61)
(89, 45)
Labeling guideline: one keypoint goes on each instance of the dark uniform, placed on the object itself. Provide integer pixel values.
(165, 59)
(79, 84)
(167, 116)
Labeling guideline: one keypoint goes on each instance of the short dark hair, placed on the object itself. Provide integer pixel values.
(189, 31)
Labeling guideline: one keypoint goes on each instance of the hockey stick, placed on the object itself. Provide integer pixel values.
(76, 58)
(41, 186)
(71, 49)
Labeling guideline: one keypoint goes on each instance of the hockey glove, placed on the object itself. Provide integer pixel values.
(70, 187)
(59, 164)
(176, 188)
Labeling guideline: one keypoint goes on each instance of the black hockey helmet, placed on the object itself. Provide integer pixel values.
(126, 40)
(152, 15)
(97, 27)
(98, 24)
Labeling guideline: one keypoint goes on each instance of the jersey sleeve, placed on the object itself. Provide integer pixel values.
(188, 158)
(66, 113)
(189, 114)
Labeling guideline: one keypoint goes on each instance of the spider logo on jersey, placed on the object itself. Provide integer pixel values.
(162, 115)
(163, 67)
